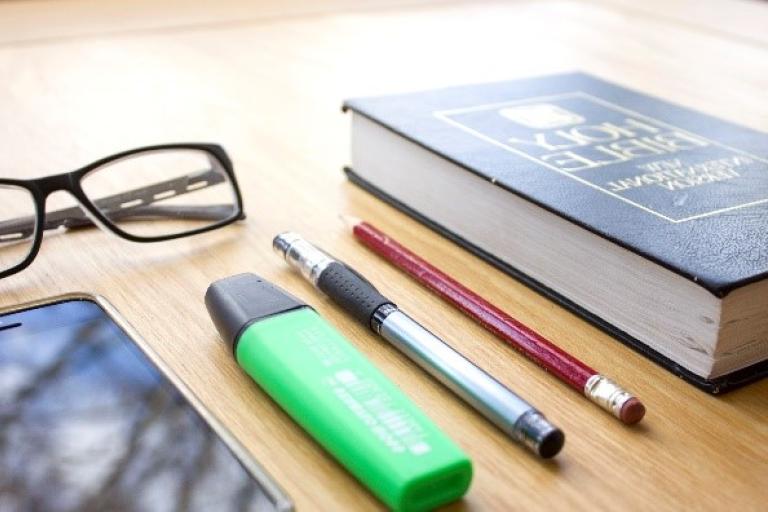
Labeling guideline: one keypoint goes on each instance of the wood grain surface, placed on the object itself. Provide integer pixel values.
(82, 79)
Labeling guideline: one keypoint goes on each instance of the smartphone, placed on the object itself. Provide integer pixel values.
(90, 419)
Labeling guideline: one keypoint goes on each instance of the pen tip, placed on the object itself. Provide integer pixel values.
(632, 411)
(349, 220)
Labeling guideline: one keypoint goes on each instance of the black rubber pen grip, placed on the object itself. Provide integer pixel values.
(351, 291)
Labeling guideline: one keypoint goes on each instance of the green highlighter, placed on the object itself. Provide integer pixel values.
(337, 395)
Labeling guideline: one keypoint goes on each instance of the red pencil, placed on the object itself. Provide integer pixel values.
(604, 392)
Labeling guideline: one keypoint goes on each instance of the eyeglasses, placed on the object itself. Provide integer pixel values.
(147, 194)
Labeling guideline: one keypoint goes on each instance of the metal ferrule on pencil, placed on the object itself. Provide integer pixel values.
(492, 399)
(607, 394)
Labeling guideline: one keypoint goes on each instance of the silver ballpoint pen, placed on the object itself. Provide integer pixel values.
(513, 415)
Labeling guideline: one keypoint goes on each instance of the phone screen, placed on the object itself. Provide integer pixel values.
(87, 422)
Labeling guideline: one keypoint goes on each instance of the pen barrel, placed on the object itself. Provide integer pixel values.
(492, 399)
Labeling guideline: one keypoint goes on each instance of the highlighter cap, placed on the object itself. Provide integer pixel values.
(238, 301)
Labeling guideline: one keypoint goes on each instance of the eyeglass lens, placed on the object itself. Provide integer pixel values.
(162, 192)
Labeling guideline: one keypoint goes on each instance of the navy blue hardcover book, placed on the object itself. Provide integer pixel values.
(646, 218)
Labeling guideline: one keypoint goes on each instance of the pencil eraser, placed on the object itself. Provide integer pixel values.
(632, 411)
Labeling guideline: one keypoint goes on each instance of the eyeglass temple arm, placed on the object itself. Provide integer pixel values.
(136, 203)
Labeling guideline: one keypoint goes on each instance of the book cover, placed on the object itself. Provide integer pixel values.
(629, 167)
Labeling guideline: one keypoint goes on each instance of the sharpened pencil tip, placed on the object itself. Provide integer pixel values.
(349, 220)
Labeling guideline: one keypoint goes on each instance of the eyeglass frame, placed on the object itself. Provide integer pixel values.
(86, 213)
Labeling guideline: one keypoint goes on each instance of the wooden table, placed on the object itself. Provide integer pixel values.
(84, 79)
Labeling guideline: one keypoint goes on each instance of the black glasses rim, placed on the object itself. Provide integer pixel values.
(70, 181)
(37, 241)
(215, 149)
